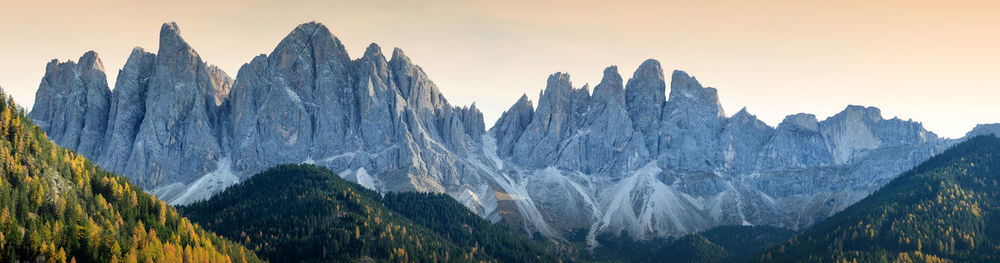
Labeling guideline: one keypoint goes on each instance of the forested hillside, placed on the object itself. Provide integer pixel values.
(59, 207)
(293, 213)
(451, 219)
(945, 209)
(719, 245)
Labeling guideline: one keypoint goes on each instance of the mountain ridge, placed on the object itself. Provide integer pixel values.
(629, 157)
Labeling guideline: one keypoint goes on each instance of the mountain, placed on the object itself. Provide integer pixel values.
(184, 130)
(944, 210)
(622, 160)
(295, 213)
(58, 206)
(628, 156)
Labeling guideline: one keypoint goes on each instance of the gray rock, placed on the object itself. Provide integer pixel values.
(626, 158)
(984, 129)
(645, 95)
(128, 108)
(71, 104)
(511, 125)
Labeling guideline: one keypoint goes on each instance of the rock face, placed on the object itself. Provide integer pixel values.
(613, 163)
(72, 104)
(628, 156)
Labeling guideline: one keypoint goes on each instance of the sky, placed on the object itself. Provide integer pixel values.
(937, 62)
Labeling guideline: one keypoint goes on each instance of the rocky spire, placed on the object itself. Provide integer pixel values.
(686, 92)
(511, 125)
(610, 89)
(181, 95)
(128, 108)
(71, 103)
(644, 98)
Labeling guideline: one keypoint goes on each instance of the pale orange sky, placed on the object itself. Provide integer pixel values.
(934, 62)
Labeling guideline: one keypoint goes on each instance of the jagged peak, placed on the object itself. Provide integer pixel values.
(399, 57)
(558, 80)
(682, 81)
(558, 84)
(647, 84)
(373, 50)
(313, 34)
(859, 108)
(611, 75)
(524, 100)
(742, 114)
(610, 88)
(136, 51)
(139, 55)
(170, 28)
(90, 59)
(311, 26)
(858, 111)
(170, 37)
(649, 69)
(800, 121)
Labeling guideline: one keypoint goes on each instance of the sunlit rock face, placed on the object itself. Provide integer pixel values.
(650, 156)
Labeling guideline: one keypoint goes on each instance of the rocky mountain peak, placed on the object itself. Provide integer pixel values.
(558, 90)
(512, 123)
(650, 69)
(645, 95)
(867, 114)
(373, 51)
(646, 89)
(524, 100)
(171, 40)
(71, 103)
(90, 60)
(398, 57)
(610, 90)
(312, 38)
(621, 159)
(685, 91)
(743, 116)
(800, 122)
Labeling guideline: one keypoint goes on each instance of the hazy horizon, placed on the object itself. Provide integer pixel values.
(930, 63)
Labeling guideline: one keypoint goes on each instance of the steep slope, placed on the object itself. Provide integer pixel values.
(184, 130)
(293, 213)
(621, 161)
(59, 207)
(945, 209)
(647, 156)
